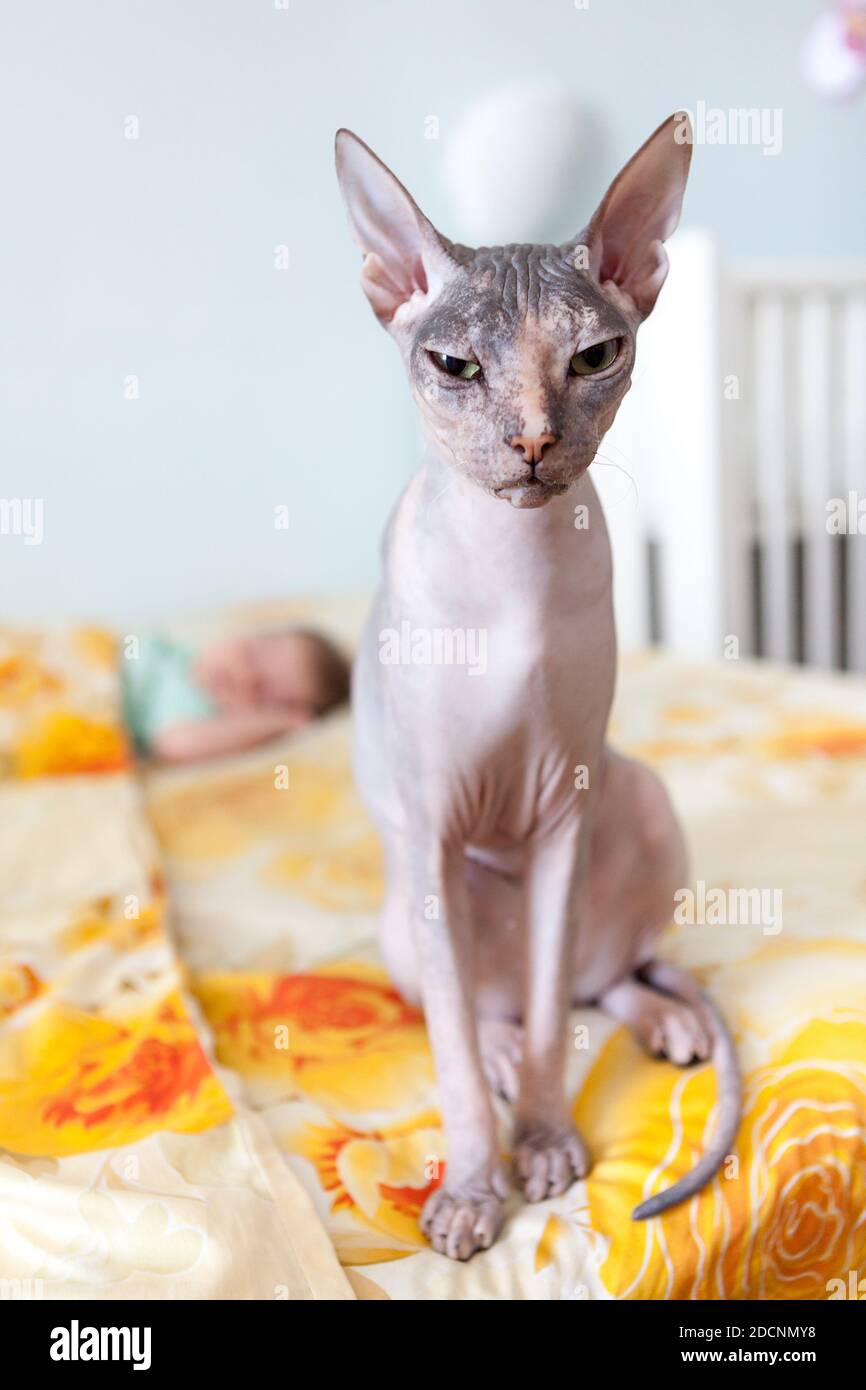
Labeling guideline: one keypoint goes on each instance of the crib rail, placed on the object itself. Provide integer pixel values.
(802, 457)
(746, 435)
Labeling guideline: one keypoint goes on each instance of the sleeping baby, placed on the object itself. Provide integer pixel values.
(182, 705)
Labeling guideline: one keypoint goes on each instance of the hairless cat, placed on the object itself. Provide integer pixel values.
(529, 866)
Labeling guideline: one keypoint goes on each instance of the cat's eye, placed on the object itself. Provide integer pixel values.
(594, 359)
(456, 366)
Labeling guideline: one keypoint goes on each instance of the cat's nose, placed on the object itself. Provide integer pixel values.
(532, 446)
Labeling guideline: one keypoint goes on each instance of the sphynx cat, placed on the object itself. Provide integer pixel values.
(529, 866)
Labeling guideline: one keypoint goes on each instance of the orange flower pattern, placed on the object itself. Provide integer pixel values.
(351, 1095)
(341, 1035)
(339, 1064)
(72, 1081)
(64, 744)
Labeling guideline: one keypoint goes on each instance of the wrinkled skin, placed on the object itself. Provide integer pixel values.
(528, 865)
(523, 311)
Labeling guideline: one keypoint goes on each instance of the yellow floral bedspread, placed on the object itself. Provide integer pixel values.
(129, 1167)
(275, 879)
(171, 1131)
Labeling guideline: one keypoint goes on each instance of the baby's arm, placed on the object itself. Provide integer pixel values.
(194, 739)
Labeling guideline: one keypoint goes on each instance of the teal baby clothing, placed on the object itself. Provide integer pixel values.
(159, 690)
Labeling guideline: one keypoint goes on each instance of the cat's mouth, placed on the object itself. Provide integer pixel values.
(530, 492)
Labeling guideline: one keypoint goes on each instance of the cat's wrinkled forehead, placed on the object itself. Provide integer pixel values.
(499, 288)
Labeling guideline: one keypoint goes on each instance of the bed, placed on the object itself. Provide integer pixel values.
(130, 1166)
(283, 1074)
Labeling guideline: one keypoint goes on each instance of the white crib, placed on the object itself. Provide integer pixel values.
(746, 419)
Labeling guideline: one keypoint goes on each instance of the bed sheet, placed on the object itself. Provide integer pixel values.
(130, 1166)
(275, 878)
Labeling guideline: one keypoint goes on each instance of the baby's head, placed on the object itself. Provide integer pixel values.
(296, 670)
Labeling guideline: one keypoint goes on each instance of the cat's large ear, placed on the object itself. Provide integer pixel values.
(404, 255)
(639, 212)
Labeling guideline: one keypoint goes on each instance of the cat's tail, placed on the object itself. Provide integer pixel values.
(676, 982)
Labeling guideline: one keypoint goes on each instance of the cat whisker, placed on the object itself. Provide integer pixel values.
(443, 492)
(612, 463)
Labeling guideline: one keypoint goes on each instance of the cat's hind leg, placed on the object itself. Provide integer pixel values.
(667, 1005)
(665, 1026)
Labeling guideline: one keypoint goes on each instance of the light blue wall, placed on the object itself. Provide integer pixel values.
(259, 387)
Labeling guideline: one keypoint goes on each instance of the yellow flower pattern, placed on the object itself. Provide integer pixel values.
(274, 891)
(352, 1097)
(125, 1169)
(341, 1036)
(784, 1215)
(63, 744)
(73, 1082)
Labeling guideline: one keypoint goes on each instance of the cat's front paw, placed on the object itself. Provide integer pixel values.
(459, 1219)
(549, 1159)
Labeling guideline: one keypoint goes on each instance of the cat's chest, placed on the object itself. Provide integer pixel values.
(489, 665)
(544, 697)
(503, 771)
(504, 741)
(488, 670)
